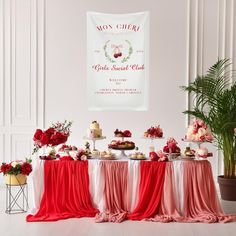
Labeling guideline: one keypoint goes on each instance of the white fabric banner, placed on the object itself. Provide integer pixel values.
(117, 61)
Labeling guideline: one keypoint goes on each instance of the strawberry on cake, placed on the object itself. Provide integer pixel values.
(154, 132)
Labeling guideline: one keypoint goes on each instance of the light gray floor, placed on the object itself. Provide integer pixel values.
(16, 225)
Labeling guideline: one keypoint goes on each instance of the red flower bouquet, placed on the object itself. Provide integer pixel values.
(16, 167)
(56, 134)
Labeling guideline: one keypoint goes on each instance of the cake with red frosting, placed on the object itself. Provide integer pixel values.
(117, 144)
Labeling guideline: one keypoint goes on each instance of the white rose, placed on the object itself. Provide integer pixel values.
(190, 129)
(201, 131)
(197, 137)
(14, 164)
(189, 136)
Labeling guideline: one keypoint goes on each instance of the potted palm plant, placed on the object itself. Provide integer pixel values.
(214, 97)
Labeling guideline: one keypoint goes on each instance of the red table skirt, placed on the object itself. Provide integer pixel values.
(66, 193)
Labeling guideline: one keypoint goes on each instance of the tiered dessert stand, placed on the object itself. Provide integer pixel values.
(94, 141)
(122, 150)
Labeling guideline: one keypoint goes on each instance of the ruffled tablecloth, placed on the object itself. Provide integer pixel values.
(113, 191)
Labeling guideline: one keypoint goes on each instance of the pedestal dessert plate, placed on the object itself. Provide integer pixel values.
(152, 139)
(122, 150)
(94, 141)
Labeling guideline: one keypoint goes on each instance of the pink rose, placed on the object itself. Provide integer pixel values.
(200, 123)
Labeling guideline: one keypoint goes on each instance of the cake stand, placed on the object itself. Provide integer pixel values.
(94, 141)
(122, 150)
(152, 139)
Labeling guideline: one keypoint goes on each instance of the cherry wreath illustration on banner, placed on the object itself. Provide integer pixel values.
(114, 51)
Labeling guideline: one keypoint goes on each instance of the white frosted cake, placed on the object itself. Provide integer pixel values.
(94, 130)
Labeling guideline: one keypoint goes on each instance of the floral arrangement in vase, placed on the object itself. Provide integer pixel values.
(16, 171)
(171, 146)
(17, 167)
(198, 131)
(154, 132)
(55, 135)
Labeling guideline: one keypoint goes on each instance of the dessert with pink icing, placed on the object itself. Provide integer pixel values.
(198, 131)
(171, 146)
(203, 152)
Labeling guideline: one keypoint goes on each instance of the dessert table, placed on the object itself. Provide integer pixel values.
(114, 191)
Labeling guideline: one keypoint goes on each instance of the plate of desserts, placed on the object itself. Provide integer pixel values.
(137, 156)
(121, 145)
(107, 155)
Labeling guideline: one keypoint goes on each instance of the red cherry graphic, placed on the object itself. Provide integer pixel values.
(115, 55)
(120, 54)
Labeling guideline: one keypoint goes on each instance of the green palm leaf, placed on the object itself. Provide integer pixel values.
(215, 103)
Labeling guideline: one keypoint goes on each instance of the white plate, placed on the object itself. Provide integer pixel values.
(108, 158)
(137, 159)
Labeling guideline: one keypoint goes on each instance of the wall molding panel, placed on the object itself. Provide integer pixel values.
(211, 35)
(2, 69)
(22, 42)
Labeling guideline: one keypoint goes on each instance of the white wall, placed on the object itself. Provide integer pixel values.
(43, 65)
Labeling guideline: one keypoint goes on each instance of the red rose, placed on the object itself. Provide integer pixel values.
(50, 132)
(153, 156)
(166, 149)
(44, 139)
(5, 168)
(58, 138)
(26, 168)
(127, 133)
(38, 135)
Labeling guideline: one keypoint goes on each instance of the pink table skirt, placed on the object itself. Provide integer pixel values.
(180, 191)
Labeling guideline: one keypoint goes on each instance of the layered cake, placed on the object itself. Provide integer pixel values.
(123, 134)
(154, 132)
(125, 145)
(94, 130)
(198, 131)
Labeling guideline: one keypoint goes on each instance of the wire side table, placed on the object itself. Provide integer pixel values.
(16, 198)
